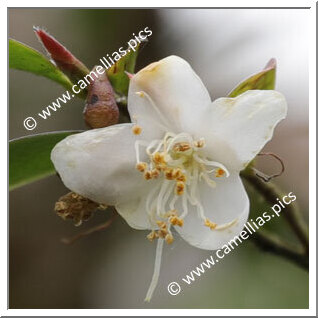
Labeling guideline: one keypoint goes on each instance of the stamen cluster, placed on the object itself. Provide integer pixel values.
(180, 162)
(164, 227)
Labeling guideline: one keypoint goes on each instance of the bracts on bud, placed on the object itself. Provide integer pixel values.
(101, 109)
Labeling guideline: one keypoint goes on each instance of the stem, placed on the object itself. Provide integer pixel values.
(273, 244)
(291, 213)
(97, 228)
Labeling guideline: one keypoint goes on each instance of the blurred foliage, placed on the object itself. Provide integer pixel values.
(25, 167)
(117, 75)
(24, 58)
(262, 80)
(258, 205)
(29, 157)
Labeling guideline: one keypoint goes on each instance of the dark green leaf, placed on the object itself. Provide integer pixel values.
(22, 57)
(29, 157)
(262, 80)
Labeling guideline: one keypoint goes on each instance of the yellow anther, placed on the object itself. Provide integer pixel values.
(169, 238)
(171, 213)
(158, 158)
(210, 224)
(136, 130)
(141, 166)
(182, 178)
(181, 147)
(174, 220)
(177, 173)
(155, 173)
(199, 143)
(147, 175)
(140, 94)
(161, 224)
(152, 235)
(219, 173)
(162, 233)
(179, 188)
(169, 174)
(160, 167)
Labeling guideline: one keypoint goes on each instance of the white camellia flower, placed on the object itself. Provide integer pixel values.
(177, 166)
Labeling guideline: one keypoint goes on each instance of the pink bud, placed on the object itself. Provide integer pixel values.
(63, 58)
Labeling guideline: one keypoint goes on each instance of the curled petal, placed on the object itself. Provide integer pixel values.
(236, 129)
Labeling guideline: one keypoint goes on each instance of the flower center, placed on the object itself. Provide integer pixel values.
(179, 163)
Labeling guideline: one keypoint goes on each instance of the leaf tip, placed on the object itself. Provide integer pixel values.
(57, 51)
(271, 64)
(129, 75)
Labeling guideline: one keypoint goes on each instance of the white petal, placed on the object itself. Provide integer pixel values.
(238, 128)
(175, 97)
(226, 202)
(134, 211)
(100, 164)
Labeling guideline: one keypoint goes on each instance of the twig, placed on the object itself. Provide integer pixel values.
(265, 177)
(97, 228)
(272, 244)
(291, 213)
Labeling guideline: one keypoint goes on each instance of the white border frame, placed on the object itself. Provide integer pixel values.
(312, 168)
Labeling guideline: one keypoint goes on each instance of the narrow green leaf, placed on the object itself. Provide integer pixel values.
(262, 80)
(116, 74)
(22, 57)
(29, 157)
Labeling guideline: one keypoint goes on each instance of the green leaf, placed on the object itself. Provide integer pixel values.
(29, 157)
(22, 57)
(262, 80)
(116, 74)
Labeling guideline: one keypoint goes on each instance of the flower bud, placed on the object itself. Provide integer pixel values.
(62, 57)
(101, 109)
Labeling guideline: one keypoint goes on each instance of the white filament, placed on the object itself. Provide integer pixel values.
(154, 106)
(156, 272)
(194, 169)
